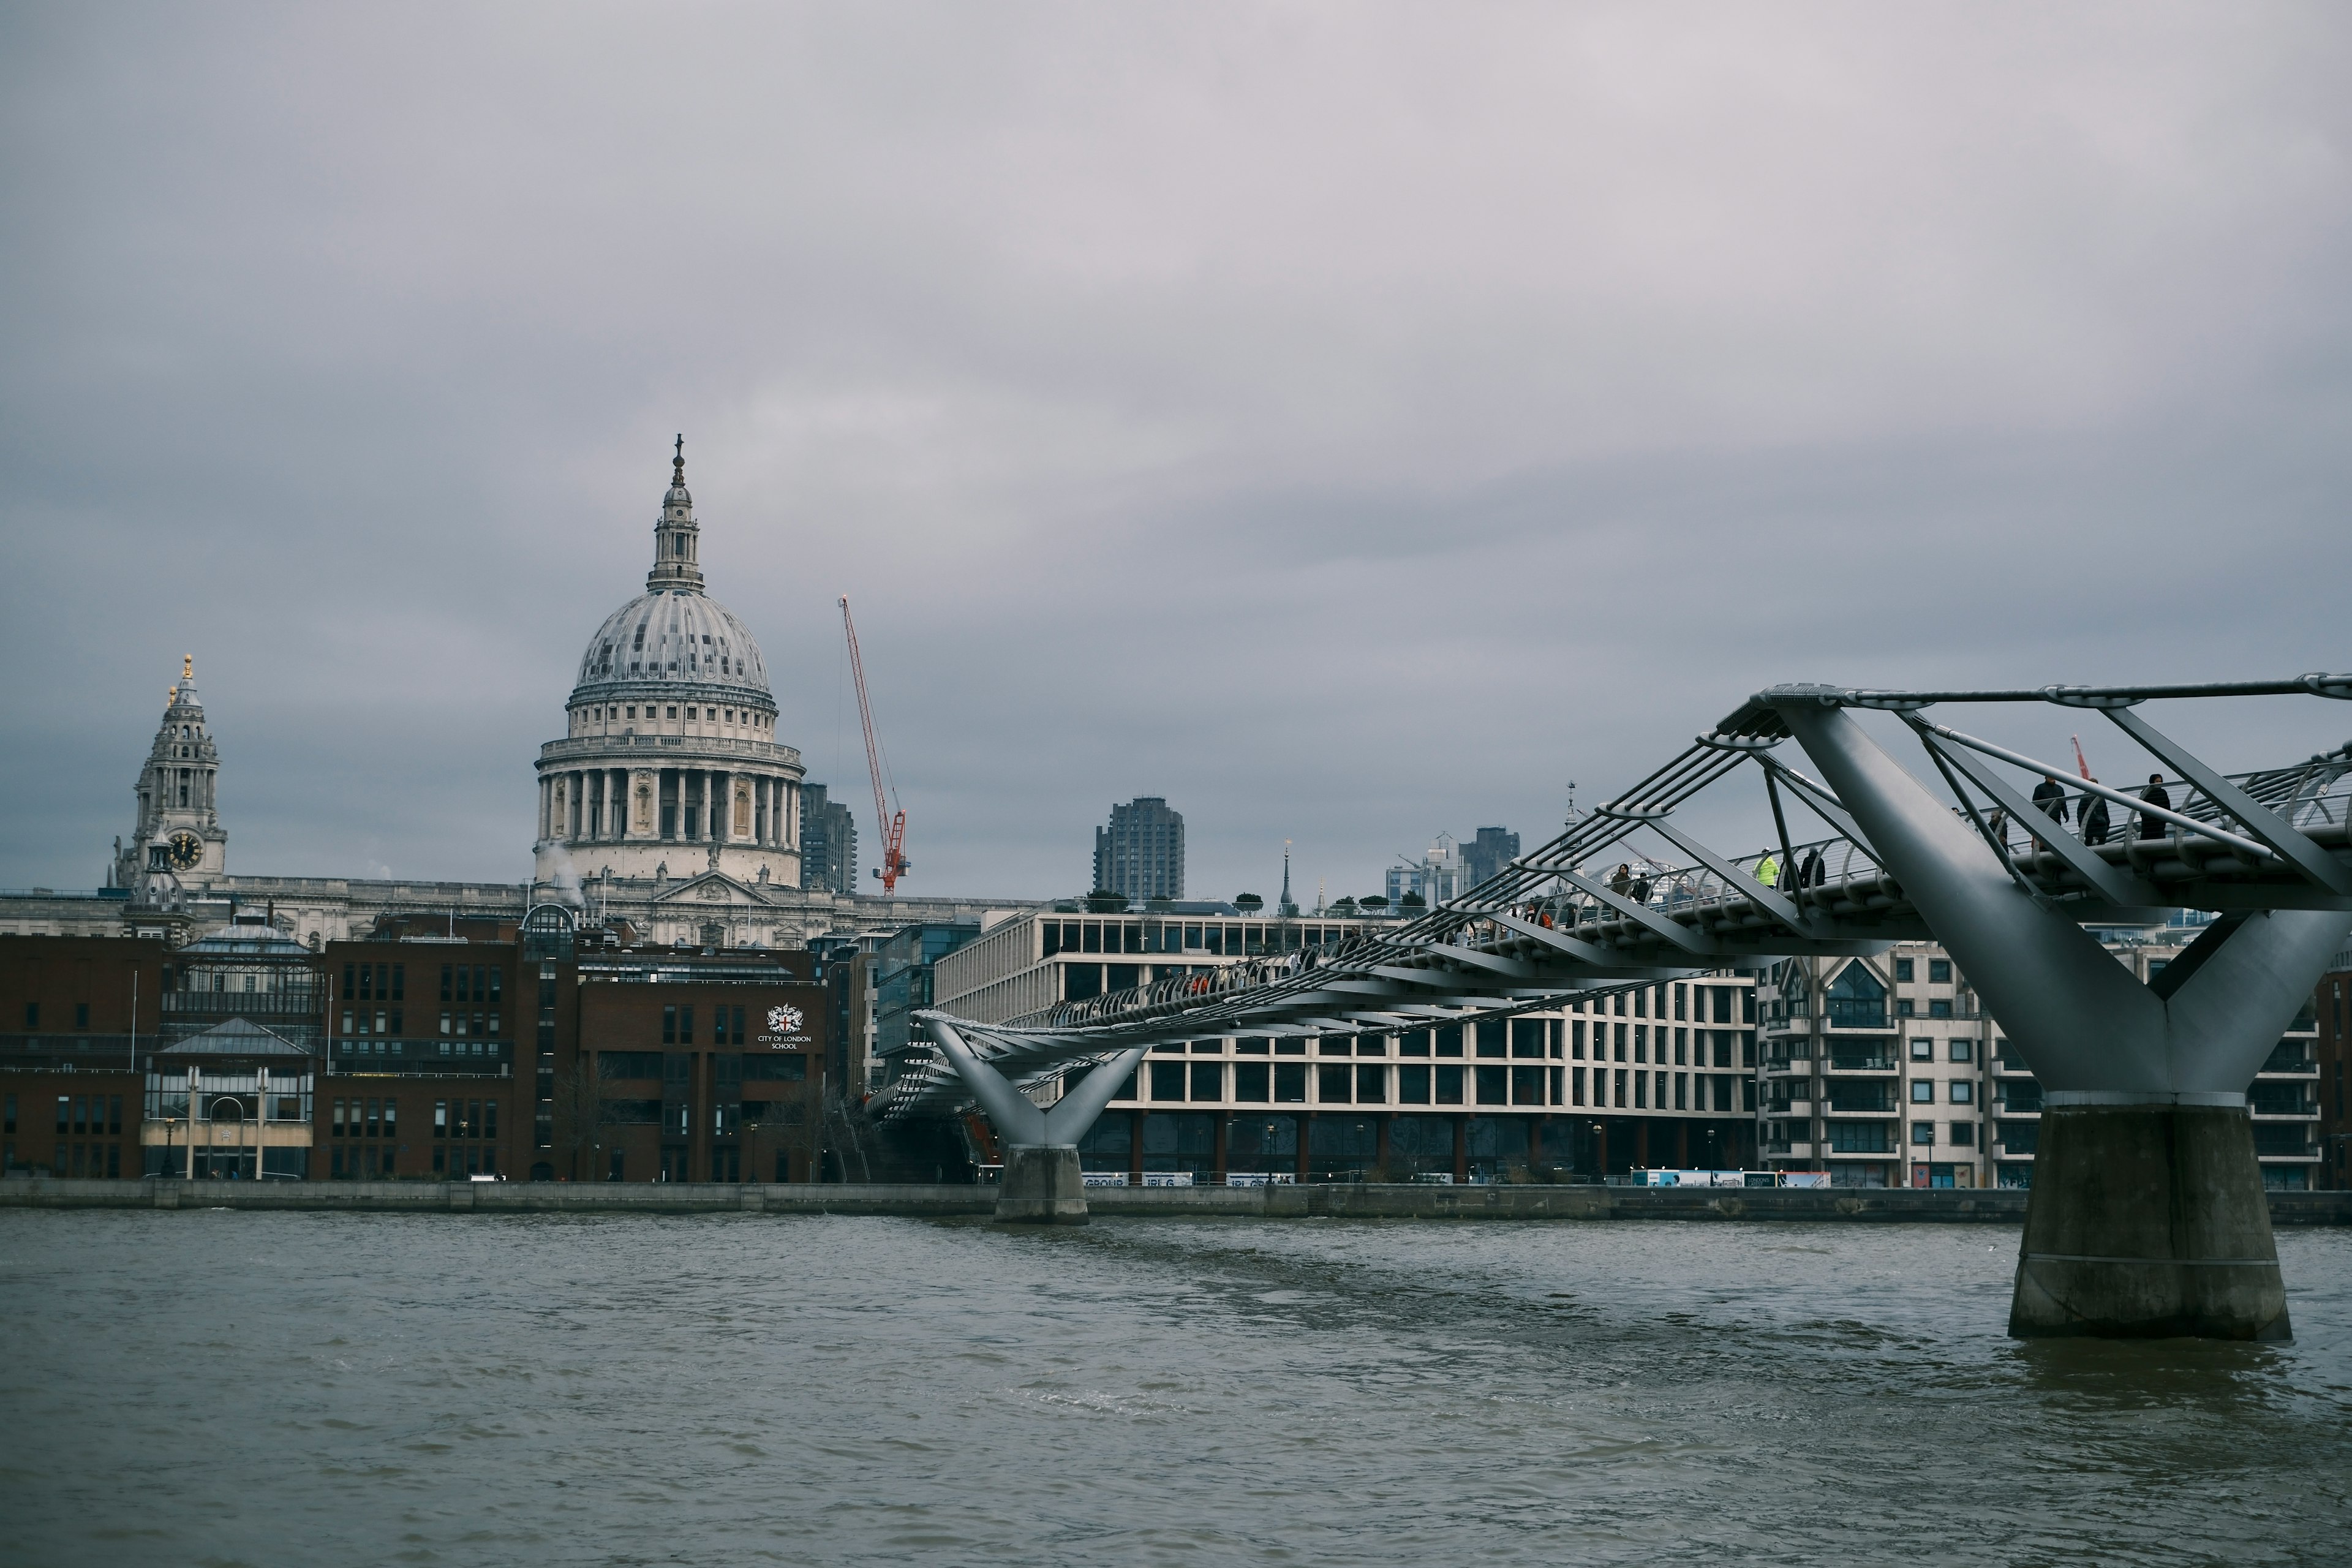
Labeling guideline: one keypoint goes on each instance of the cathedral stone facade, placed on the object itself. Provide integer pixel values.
(669, 762)
(668, 806)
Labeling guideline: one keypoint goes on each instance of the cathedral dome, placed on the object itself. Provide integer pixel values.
(673, 636)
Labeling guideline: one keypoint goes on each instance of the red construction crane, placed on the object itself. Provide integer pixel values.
(891, 824)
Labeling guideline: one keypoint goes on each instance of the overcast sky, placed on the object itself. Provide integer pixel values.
(1349, 422)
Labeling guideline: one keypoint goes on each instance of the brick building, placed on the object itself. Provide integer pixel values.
(435, 1049)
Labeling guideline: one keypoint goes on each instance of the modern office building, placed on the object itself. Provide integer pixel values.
(1886, 1071)
(1655, 1076)
(828, 842)
(1140, 854)
(2332, 1041)
(1488, 852)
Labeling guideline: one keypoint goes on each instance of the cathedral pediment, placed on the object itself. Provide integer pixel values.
(712, 889)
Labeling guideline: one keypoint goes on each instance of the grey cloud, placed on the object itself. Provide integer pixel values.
(1347, 422)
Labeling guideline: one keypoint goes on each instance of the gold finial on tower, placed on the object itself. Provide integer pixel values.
(187, 666)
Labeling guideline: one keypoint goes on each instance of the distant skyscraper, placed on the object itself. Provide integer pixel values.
(1142, 854)
(1487, 855)
(828, 843)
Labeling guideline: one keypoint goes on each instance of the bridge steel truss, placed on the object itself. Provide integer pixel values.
(2147, 1216)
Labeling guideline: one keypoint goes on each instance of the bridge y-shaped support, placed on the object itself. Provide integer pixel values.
(2147, 1216)
(1042, 1184)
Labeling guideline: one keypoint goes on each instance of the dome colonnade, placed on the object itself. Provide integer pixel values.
(669, 764)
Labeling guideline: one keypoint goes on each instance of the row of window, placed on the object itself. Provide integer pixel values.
(358, 1022)
(90, 1160)
(726, 1026)
(389, 982)
(676, 1116)
(1521, 1038)
(613, 711)
(33, 1015)
(367, 1119)
(1366, 1083)
(79, 1115)
(677, 1067)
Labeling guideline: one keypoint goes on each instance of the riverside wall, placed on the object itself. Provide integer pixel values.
(1341, 1201)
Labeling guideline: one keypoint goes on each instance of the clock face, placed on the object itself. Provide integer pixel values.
(187, 849)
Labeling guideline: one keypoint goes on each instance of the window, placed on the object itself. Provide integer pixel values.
(1963, 1050)
(669, 1025)
(1167, 1080)
(32, 1015)
(1412, 1084)
(81, 1015)
(1923, 1091)
(1252, 1082)
(1940, 1007)
(1903, 971)
(1964, 1134)
(1493, 1087)
(673, 711)
(1923, 1050)
(1290, 1083)
(1449, 1042)
(1449, 1086)
(1208, 1081)
(628, 1063)
(1939, 971)
(1923, 1132)
(1963, 1093)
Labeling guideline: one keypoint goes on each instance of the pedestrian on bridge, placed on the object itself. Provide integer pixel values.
(2094, 818)
(1809, 875)
(2150, 826)
(2050, 798)
(1767, 870)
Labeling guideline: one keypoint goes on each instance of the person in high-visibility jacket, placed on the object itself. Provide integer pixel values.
(1767, 870)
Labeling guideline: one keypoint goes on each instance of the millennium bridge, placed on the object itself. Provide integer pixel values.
(2147, 1215)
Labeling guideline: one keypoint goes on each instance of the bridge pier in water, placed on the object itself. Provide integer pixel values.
(2146, 1217)
(1042, 1184)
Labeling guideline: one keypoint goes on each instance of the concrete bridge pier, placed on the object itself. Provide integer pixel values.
(2147, 1216)
(1042, 1184)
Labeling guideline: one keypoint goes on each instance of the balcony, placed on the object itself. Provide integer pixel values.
(1852, 1013)
(2284, 1141)
(1861, 1061)
(2281, 1099)
(1856, 1105)
(2291, 1057)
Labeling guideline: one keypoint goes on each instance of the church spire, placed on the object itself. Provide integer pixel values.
(675, 535)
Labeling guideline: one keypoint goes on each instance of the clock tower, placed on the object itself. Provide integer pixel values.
(179, 829)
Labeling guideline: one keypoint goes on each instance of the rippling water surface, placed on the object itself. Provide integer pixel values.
(230, 1387)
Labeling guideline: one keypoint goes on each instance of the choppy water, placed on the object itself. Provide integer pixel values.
(245, 1388)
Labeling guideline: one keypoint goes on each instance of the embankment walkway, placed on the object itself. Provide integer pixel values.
(1341, 1201)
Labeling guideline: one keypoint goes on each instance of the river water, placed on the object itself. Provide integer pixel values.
(306, 1388)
